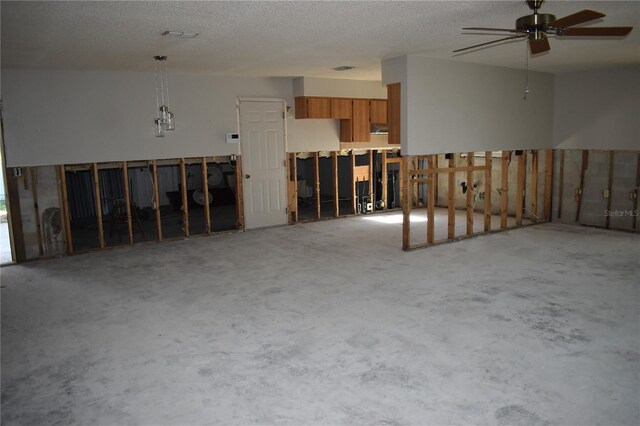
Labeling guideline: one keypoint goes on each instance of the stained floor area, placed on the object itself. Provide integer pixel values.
(329, 323)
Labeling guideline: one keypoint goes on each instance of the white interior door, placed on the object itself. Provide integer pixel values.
(263, 163)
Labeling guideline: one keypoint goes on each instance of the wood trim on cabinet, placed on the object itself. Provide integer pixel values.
(393, 112)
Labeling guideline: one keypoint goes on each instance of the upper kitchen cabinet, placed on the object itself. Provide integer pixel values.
(341, 108)
(357, 128)
(378, 111)
(393, 96)
(313, 107)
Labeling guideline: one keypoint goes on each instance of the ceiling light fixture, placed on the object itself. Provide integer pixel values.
(180, 34)
(343, 68)
(165, 118)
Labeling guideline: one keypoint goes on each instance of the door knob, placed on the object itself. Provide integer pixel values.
(247, 176)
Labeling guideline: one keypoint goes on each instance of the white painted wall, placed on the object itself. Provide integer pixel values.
(338, 88)
(598, 109)
(56, 117)
(456, 107)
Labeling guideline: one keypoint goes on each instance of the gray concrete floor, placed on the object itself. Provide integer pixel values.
(329, 323)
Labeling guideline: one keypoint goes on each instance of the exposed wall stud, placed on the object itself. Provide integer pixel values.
(205, 193)
(534, 186)
(316, 177)
(156, 198)
(96, 183)
(560, 183)
(384, 188)
(487, 190)
(292, 187)
(583, 169)
(548, 184)
(470, 192)
(610, 188)
(504, 188)
(239, 193)
(185, 198)
(336, 193)
(127, 200)
(520, 185)
(354, 182)
(68, 238)
(406, 202)
(36, 208)
(451, 204)
(634, 222)
(431, 199)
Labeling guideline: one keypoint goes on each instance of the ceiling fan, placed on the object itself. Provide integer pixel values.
(537, 26)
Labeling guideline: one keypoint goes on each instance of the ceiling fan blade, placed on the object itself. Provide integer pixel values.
(490, 42)
(596, 31)
(539, 46)
(492, 29)
(576, 18)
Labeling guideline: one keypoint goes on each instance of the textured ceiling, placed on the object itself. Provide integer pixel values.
(298, 38)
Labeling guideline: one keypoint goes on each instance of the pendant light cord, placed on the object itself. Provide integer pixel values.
(157, 89)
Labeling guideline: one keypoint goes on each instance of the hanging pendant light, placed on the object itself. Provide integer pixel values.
(165, 119)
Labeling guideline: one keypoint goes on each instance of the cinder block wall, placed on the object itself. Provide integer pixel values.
(596, 206)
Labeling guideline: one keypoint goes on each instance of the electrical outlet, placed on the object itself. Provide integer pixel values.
(605, 193)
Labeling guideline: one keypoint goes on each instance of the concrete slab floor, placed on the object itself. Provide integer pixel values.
(329, 323)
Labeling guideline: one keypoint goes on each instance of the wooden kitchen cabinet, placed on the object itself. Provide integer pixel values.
(341, 108)
(393, 112)
(378, 111)
(356, 129)
(313, 107)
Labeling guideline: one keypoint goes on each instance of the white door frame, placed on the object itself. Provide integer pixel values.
(239, 100)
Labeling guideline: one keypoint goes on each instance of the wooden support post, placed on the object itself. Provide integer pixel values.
(156, 199)
(609, 188)
(470, 192)
(406, 202)
(239, 193)
(96, 183)
(520, 185)
(205, 192)
(431, 199)
(583, 169)
(383, 196)
(560, 183)
(372, 181)
(354, 182)
(451, 203)
(504, 195)
(336, 192)
(534, 186)
(436, 180)
(548, 184)
(36, 208)
(316, 177)
(66, 217)
(414, 187)
(634, 222)
(185, 198)
(127, 200)
(487, 190)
